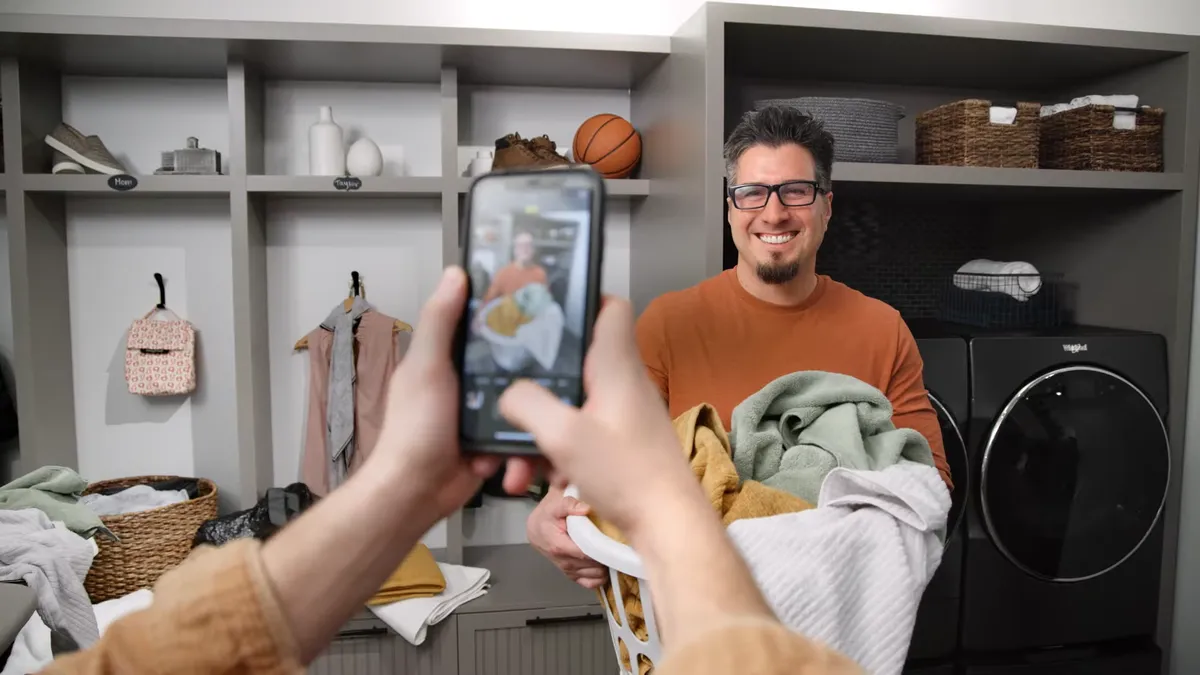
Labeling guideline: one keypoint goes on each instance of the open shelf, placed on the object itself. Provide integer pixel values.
(521, 579)
(97, 184)
(400, 186)
(978, 180)
(616, 187)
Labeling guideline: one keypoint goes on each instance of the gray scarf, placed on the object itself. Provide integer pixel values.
(339, 410)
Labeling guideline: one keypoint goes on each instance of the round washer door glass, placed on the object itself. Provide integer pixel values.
(1075, 473)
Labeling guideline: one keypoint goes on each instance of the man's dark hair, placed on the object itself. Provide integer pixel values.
(775, 126)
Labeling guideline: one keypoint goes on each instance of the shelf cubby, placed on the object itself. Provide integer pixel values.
(375, 186)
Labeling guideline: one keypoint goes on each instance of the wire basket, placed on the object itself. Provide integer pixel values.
(1008, 300)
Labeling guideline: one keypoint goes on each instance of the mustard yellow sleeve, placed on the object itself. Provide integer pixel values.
(754, 646)
(215, 613)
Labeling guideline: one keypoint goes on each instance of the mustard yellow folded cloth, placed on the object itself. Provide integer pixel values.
(418, 576)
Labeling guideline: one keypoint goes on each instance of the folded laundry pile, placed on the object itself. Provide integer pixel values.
(1017, 279)
(418, 576)
(1122, 119)
(706, 444)
(412, 618)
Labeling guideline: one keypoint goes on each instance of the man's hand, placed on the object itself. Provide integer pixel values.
(547, 531)
(418, 447)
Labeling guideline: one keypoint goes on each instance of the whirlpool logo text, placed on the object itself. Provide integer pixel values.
(1075, 348)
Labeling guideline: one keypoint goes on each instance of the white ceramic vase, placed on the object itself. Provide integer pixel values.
(364, 158)
(326, 150)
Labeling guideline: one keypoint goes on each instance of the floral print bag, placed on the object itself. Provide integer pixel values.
(160, 356)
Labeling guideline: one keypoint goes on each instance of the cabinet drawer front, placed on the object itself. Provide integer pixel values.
(365, 649)
(537, 642)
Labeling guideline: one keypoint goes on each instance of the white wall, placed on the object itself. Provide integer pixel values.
(629, 16)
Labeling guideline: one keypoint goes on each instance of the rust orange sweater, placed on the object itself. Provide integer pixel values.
(716, 343)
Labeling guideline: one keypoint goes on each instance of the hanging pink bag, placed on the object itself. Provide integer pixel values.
(160, 356)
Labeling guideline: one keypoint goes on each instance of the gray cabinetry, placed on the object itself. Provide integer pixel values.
(536, 642)
(365, 646)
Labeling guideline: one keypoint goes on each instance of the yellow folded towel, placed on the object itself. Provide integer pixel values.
(418, 576)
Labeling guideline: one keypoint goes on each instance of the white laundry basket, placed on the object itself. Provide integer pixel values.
(619, 558)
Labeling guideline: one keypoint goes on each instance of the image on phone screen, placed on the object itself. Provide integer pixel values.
(527, 255)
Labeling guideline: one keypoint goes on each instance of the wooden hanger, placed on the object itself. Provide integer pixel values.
(359, 288)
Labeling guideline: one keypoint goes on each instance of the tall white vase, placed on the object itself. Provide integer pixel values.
(364, 158)
(326, 150)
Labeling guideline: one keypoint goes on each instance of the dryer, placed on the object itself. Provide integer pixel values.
(1070, 462)
(935, 635)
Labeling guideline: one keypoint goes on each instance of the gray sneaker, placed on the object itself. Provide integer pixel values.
(60, 163)
(88, 151)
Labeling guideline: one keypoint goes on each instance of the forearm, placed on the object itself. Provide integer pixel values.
(697, 578)
(332, 559)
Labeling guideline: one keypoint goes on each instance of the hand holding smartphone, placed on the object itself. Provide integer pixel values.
(532, 248)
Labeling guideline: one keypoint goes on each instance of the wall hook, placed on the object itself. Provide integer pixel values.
(162, 291)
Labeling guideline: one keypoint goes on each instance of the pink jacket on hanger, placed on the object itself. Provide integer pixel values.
(378, 350)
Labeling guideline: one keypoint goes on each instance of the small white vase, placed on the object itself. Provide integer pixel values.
(481, 164)
(364, 158)
(326, 150)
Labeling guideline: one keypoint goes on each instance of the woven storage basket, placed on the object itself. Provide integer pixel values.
(864, 130)
(1084, 138)
(962, 134)
(152, 542)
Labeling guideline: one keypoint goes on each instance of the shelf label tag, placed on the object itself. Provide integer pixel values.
(347, 183)
(122, 182)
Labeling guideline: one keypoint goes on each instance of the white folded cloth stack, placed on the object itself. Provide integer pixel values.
(1122, 119)
(1002, 115)
(1019, 279)
(412, 618)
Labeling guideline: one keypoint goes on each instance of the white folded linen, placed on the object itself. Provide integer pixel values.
(412, 618)
(1019, 279)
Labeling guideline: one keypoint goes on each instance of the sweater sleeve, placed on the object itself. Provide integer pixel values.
(754, 646)
(911, 408)
(215, 613)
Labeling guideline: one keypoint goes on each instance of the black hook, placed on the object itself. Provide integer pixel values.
(354, 285)
(162, 291)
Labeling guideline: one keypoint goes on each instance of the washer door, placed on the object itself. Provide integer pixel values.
(1074, 474)
(956, 457)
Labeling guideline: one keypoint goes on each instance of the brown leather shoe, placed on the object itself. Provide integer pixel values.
(546, 151)
(513, 152)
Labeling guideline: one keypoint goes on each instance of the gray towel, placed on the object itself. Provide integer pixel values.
(53, 563)
(55, 491)
(791, 433)
(339, 409)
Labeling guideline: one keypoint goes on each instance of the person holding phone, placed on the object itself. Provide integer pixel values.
(519, 273)
(722, 340)
(252, 607)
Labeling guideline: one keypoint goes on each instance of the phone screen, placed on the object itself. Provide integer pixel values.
(527, 252)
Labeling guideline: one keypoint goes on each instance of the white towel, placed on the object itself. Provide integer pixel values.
(412, 618)
(851, 572)
(31, 650)
(132, 500)
(543, 336)
(1121, 119)
(1001, 115)
(1021, 280)
(53, 563)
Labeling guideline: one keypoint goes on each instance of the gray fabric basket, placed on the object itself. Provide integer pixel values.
(864, 130)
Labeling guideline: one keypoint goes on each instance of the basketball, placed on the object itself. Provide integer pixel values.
(609, 144)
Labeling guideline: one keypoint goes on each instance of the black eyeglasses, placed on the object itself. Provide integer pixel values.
(756, 195)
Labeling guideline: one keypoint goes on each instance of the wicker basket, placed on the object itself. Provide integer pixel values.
(864, 130)
(152, 542)
(962, 134)
(1084, 139)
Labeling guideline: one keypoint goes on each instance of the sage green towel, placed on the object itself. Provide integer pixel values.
(794, 431)
(55, 491)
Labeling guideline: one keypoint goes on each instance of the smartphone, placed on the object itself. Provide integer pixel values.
(532, 247)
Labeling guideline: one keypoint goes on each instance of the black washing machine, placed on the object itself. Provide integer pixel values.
(935, 635)
(1069, 461)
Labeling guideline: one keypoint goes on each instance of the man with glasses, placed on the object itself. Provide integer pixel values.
(772, 314)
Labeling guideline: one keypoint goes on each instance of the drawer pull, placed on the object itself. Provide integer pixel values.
(361, 633)
(542, 621)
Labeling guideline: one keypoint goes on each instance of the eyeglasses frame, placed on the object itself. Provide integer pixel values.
(774, 190)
